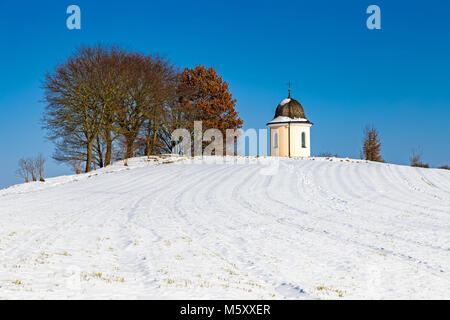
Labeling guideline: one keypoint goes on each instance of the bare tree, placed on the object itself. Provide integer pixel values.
(125, 150)
(39, 166)
(109, 95)
(101, 93)
(33, 168)
(22, 171)
(30, 166)
(75, 110)
(371, 144)
(141, 98)
(175, 116)
(164, 78)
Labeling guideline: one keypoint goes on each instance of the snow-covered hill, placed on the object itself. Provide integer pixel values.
(259, 228)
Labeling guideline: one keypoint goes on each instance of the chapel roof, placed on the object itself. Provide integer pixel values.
(289, 111)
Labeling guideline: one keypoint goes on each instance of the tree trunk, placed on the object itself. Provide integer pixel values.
(88, 157)
(154, 132)
(148, 140)
(108, 148)
(154, 138)
(101, 164)
(130, 143)
(100, 154)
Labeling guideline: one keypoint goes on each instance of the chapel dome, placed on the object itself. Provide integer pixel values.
(290, 108)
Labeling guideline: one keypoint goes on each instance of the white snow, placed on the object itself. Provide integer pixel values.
(286, 119)
(242, 228)
(285, 101)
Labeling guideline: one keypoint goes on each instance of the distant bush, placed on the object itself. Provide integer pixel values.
(23, 170)
(31, 168)
(445, 167)
(416, 160)
(77, 165)
(39, 167)
(327, 155)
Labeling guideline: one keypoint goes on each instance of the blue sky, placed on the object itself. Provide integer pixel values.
(344, 75)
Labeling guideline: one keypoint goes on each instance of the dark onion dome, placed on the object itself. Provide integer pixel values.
(290, 108)
(289, 111)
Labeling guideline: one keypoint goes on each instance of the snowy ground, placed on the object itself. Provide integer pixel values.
(262, 228)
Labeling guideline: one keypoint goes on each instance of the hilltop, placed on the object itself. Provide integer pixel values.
(247, 228)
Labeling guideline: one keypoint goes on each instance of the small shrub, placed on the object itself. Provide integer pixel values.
(39, 167)
(31, 168)
(416, 160)
(23, 170)
(76, 164)
(328, 155)
(371, 149)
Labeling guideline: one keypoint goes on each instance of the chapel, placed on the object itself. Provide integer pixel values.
(290, 130)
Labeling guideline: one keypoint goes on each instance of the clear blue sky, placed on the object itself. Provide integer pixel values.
(344, 74)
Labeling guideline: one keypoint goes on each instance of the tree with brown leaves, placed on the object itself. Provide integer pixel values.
(371, 144)
(207, 98)
(104, 98)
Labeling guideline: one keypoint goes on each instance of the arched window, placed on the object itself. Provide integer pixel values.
(303, 140)
(275, 140)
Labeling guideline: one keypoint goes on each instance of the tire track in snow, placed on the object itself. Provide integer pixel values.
(342, 238)
(313, 224)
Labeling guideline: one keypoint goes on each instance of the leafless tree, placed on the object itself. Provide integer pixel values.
(31, 168)
(30, 165)
(164, 78)
(77, 103)
(23, 171)
(147, 85)
(39, 162)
